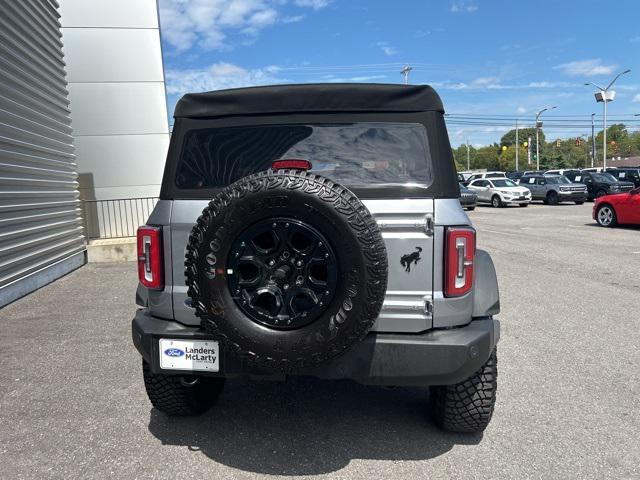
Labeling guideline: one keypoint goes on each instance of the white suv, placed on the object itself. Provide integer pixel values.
(500, 191)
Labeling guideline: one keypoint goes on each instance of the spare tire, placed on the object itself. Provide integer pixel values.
(287, 268)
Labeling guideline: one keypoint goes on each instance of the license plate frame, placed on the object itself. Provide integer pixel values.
(189, 355)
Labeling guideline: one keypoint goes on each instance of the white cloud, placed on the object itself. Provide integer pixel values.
(491, 83)
(586, 68)
(387, 49)
(520, 110)
(293, 19)
(485, 81)
(219, 76)
(636, 98)
(207, 23)
(463, 6)
(315, 4)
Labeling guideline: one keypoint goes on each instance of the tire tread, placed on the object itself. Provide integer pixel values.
(467, 406)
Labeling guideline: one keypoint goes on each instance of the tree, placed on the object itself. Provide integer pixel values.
(509, 138)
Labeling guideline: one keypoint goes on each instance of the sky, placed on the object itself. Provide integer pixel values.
(492, 61)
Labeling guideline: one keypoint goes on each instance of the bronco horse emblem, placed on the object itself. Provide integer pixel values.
(406, 260)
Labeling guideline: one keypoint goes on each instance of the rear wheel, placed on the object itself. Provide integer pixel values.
(579, 203)
(496, 202)
(600, 193)
(467, 406)
(552, 198)
(606, 216)
(178, 395)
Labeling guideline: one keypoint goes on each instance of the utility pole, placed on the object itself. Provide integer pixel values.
(517, 145)
(604, 97)
(468, 165)
(405, 73)
(538, 125)
(593, 139)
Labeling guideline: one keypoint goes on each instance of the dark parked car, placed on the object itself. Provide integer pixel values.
(468, 199)
(553, 189)
(626, 174)
(515, 175)
(600, 184)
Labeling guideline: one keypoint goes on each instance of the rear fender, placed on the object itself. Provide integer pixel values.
(486, 295)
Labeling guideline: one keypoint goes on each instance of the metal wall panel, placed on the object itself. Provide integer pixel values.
(118, 109)
(116, 88)
(109, 13)
(98, 55)
(40, 226)
(131, 161)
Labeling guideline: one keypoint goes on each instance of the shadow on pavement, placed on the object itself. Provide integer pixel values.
(307, 426)
(617, 227)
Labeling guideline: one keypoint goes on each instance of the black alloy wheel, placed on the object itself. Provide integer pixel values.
(282, 273)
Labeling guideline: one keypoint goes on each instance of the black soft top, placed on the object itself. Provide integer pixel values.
(307, 98)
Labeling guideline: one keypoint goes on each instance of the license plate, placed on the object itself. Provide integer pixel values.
(194, 355)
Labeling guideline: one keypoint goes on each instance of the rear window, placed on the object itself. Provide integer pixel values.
(494, 175)
(358, 154)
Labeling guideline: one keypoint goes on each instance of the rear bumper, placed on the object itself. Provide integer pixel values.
(438, 357)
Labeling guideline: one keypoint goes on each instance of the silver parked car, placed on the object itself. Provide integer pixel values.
(500, 191)
(553, 189)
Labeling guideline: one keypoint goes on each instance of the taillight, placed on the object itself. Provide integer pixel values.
(150, 257)
(460, 252)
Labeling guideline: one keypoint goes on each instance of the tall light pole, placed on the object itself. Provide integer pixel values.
(593, 139)
(468, 163)
(517, 146)
(604, 96)
(538, 125)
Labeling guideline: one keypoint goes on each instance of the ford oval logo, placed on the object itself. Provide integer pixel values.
(173, 352)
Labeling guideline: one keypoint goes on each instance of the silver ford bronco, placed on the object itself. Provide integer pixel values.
(315, 230)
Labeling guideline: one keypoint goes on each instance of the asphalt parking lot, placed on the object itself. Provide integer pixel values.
(72, 402)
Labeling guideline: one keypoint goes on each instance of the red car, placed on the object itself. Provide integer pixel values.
(621, 208)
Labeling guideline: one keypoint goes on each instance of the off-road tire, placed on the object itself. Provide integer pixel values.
(467, 406)
(496, 201)
(178, 395)
(552, 198)
(340, 217)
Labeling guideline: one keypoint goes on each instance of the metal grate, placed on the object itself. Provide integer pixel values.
(116, 218)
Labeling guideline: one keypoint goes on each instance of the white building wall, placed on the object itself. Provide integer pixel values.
(116, 88)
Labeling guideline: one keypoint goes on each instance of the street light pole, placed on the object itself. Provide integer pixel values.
(593, 139)
(468, 167)
(605, 99)
(538, 136)
(517, 145)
